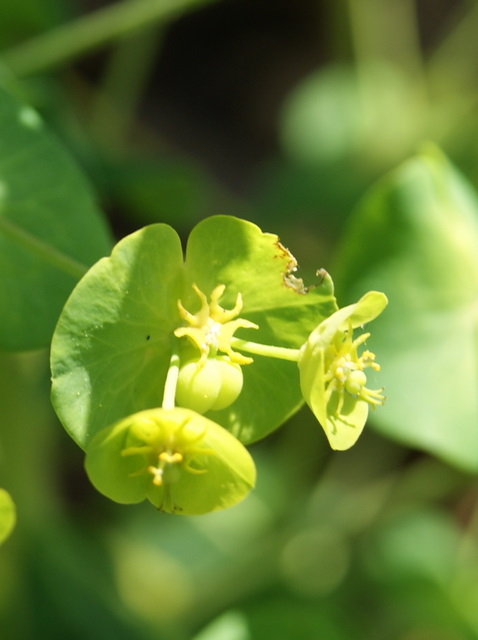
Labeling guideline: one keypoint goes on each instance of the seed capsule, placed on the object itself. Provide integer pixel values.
(210, 385)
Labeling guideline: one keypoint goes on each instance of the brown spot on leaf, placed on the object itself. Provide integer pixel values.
(294, 283)
(291, 281)
(321, 274)
(285, 254)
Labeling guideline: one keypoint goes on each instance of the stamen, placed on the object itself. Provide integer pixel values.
(157, 473)
(345, 371)
(212, 328)
(170, 458)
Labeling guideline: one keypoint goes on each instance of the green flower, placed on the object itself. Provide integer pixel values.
(332, 372)
(177, 459)
(207, 380)
(212, 327)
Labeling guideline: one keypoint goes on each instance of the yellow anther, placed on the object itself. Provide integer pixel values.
(170, 458)
(157, 473)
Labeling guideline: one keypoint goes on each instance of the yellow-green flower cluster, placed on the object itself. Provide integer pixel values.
(332, 373)
(177, 459)
(185, 463)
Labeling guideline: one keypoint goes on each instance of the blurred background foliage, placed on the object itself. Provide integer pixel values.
(288, 114)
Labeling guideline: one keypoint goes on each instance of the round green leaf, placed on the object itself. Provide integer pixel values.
(113, 342)
(50, 227)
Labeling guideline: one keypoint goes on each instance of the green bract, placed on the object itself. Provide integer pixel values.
(50, 226)
(113, 342)
(7, 515)
(332, 374)
(177, 459)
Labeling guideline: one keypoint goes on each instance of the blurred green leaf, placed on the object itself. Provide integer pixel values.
(231, 625)
(277, 617)
(425, 579)
(340, 112)
(401, 550)
(20, 18)
(283, 617)
(95, 29)
(415, 236)
(7, 515)
(50, 227)
(70, 588)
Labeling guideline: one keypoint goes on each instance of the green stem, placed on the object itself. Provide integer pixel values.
(90, 32)
(127, 72)
(43, 250)
(386, 30)
(171, 382)
(282, 353)
(451, 67)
